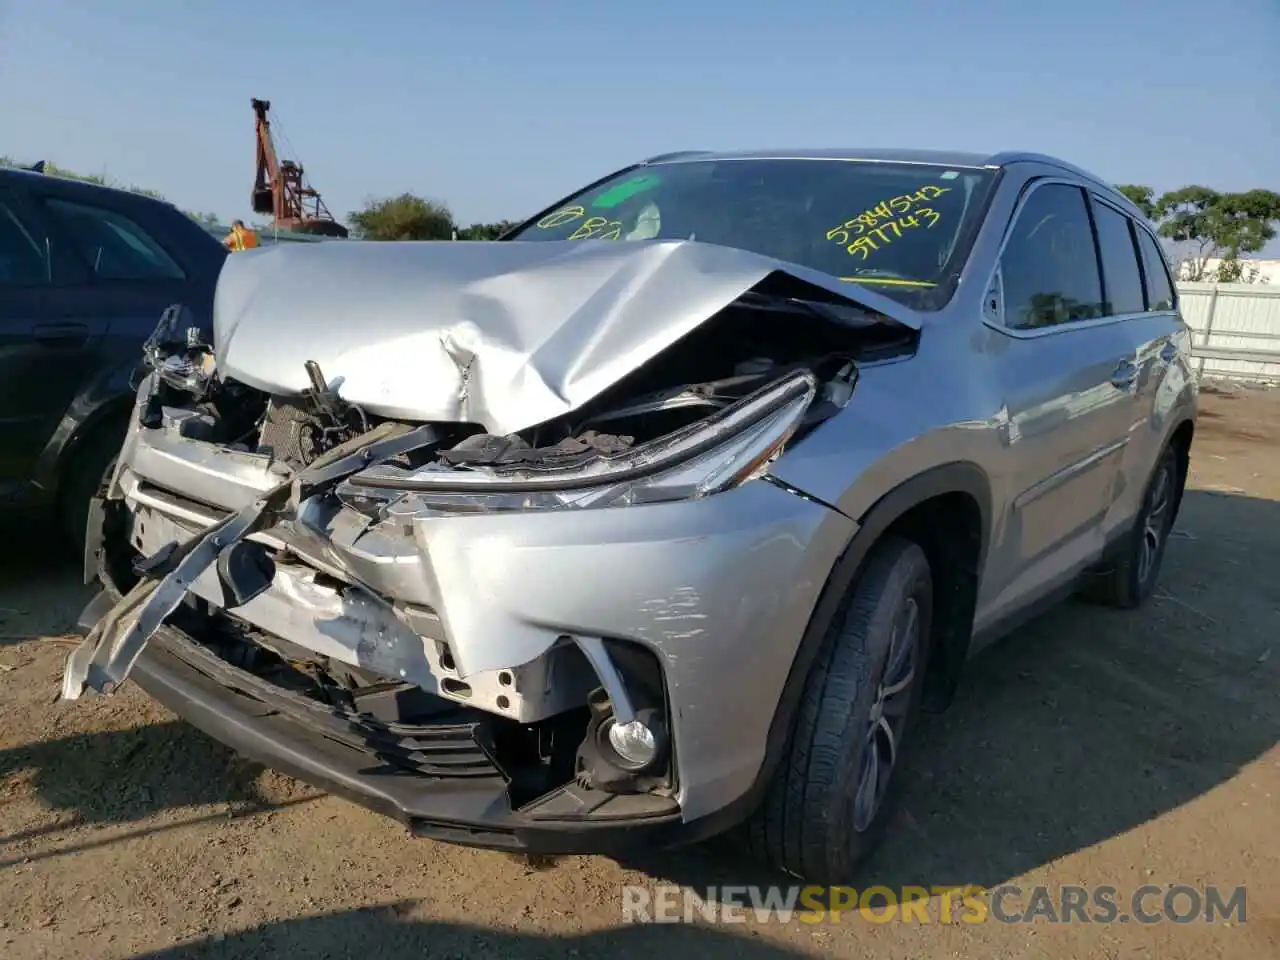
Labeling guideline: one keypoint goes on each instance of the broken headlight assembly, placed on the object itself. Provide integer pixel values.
(178, 353)
(717, 453)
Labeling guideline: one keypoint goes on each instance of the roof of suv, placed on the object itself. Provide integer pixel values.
(950, 158)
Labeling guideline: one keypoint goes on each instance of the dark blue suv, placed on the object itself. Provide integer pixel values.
(85, 272)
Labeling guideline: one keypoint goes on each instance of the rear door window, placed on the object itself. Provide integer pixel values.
(1119, 262)
(1049, 267)
(1159, 284)
(114, 246)
(24, 256)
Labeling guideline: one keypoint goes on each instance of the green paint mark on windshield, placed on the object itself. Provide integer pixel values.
(625, 191)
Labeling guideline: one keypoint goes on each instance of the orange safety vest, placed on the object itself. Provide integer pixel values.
(244, 239)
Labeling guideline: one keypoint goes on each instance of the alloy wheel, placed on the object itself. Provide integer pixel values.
(888, 716)
(1155, 525)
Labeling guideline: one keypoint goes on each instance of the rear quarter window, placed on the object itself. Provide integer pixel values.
(1160, 294)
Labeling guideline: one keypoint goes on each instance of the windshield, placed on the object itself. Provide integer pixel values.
(902, 228)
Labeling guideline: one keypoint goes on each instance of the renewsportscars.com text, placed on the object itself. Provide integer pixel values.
(1006, 903)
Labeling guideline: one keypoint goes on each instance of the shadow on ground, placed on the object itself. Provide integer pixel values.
(1087, 722)
(1079, 727)
(390, 935)
(40, 592)
(122, 776)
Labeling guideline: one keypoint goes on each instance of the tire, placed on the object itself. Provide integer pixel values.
(1132, 577)
(87, 476)
(821, 817)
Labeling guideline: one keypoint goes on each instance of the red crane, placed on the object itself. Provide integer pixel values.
(280, 190)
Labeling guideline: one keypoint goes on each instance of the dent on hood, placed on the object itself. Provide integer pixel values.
(503, 334)
(549, 376)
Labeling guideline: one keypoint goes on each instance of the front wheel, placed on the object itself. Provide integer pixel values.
(833, 792)
(87, 477)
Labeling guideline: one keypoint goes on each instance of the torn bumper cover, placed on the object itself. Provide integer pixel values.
(527, 653)
(113, 645)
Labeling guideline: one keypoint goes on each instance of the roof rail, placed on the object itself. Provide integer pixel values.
(1018, 156)
(676, 155)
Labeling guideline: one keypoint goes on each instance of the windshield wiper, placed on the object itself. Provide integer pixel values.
(845, 315)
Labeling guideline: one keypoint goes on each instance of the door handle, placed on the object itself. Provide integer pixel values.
(1124, 375)
(61, 334)
(1169, 352)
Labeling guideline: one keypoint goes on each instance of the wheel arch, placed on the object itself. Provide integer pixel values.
(903, 510)
(107, 397)
(111, 411)
(1180, 439)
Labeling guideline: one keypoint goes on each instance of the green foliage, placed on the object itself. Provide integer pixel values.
(405, 217)
(1141, 197)
(485, 231)
(410, 217)
(1203, 224)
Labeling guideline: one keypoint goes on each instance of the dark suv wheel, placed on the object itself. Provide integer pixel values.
(1132, 576)
(87, 476)
(834, 793)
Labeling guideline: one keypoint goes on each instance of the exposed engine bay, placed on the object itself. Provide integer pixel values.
(282, 535)
(756, 341)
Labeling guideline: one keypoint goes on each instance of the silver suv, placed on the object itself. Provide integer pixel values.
(662, 514)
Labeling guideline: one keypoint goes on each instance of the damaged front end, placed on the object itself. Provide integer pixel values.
(476, 633)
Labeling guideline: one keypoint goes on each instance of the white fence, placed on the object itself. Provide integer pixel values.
(1237, 329)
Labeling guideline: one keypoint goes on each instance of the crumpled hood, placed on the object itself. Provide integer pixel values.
(504, 334)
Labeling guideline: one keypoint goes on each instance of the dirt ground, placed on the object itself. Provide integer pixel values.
(1092, 747)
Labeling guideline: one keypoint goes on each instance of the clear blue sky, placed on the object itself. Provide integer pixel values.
(499, 107)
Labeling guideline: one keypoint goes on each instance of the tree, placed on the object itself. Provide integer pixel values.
(486, 231)
(1141, 197)
(1204, 224)
(1189, 218)
(406, 217)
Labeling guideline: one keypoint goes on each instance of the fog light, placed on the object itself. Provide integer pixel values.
(634, 743)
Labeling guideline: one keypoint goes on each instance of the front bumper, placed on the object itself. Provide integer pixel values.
(251, 717)
(719, 589)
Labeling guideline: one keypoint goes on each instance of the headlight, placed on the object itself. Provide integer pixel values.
(720, 452)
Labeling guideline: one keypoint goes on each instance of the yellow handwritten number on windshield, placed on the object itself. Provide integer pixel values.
(871, 228)
(560, 217)
(890, 231)
(598, 228)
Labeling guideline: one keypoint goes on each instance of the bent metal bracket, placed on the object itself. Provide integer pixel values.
(114, 644)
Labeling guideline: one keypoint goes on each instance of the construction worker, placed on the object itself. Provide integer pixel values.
(240, 237)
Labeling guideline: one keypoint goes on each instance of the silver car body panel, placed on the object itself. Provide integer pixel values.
(1067, 455)
(722, 587)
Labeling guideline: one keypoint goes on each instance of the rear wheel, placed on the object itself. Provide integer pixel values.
(834, 791)
(1132, 578)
